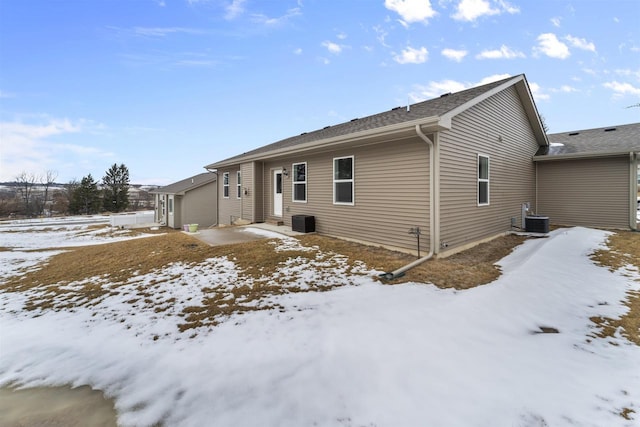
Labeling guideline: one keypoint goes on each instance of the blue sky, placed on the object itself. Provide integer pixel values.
(168, 86)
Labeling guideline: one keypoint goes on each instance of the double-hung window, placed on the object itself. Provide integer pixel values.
(299, 182)
(225, 185)
(343, 180)
(483, 180)
(239, 185)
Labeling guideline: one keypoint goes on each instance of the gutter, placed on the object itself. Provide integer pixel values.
(434, 208)
(571, 156)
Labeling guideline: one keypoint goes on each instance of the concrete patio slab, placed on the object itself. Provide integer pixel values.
(238, 234)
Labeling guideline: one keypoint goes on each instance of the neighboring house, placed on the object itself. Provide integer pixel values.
(190, 201)
(459, 167)
(590, 177)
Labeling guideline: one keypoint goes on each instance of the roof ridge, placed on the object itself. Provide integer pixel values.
(434, 107)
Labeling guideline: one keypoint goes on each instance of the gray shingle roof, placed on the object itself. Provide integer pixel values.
(431, 108)
(187, 184)
(611, 139)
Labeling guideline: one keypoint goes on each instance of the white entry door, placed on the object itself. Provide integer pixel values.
(277, 192)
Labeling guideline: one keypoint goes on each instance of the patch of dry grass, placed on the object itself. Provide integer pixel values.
(623, 250)
(85, 276)
(97, 271)
(464, 270)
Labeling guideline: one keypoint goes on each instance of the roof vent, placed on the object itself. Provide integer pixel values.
(574, 133)
(303, 133)
(445, 94)
(353, 120)
(395, 108)
(326, 127)
(609, 129)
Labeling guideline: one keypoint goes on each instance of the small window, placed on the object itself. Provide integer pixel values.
(225, 185)
(239, 185)
(343, 176)
(170, 205)
(299, 182)
(483, 180)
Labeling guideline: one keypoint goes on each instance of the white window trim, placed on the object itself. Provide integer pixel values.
(352, 181)
(487, 180)
(225, 185)
(238, 185)
(305, 182)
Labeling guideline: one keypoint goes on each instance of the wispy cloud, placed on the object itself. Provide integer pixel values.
(549, 45)
(381, 35)
(412, 55)
(332, 47)
(169, 59)
(537, 92)
(555, 21)
(471, 10)
(277, 21)
(45, 142)
(622, 88)
(234, 9)
(454, 54)
(568, 89)
(503, 53)
(411, 10)
(581, 43)
(165, 31)
(436, 88)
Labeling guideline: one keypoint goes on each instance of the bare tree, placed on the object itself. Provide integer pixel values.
(49, 179)
(543, 121)
(25, 182)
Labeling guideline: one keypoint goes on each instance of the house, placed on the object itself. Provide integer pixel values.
(590, 177)
(458, 168)
(191, 201)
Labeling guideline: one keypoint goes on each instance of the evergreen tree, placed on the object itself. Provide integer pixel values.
(86, 197)
(116, 188)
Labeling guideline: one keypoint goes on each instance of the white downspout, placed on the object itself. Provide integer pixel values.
(434, 197)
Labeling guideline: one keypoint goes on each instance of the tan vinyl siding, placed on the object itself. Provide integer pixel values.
(497, 127)
(228, 209)
(586, 192)
(198, 206)
(247, 203)
(391, 193)
(258, 192)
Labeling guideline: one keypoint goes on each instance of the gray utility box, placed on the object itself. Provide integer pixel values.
(303, 223)
(536, 224)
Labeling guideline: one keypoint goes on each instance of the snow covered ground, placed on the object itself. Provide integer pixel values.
(365, 354)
